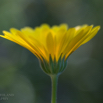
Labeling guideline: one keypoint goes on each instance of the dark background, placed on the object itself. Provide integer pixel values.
(20, 72)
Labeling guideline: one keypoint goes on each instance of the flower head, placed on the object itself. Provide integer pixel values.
(52, 45)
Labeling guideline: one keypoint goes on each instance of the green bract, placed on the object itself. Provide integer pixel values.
(54, 67)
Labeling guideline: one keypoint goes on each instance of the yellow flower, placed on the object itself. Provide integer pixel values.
(52, 44)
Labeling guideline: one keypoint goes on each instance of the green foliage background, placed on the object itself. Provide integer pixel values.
(20, 72)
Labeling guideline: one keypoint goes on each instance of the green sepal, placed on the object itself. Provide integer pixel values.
(53, 67)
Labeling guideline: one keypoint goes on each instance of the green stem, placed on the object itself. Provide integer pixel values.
(54, 80)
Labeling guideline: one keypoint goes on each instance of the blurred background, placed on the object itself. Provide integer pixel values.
(21, 78)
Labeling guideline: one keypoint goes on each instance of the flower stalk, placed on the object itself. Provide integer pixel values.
(54, 81)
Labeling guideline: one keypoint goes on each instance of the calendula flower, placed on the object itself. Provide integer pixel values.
(52, 45)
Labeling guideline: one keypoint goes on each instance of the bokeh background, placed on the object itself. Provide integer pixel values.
(21, 78)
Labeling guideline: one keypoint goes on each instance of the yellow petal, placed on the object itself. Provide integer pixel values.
(92, 34)
(28, 31)
(50, 44)
(77, 40)
(45, 26)
(57, 41)
(13, 31)
(79, 29)
(33, 44)
(20, 41)
(65, 40)
(64, 26)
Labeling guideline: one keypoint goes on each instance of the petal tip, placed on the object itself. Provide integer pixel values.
(98, 27)
(3, 31)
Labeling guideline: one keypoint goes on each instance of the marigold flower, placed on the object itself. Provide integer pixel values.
(52, 45)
